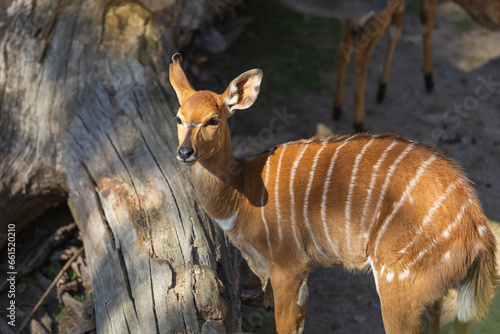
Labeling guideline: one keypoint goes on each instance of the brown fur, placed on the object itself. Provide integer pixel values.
(334, 207)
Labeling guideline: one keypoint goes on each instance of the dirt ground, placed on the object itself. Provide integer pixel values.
(298, 57)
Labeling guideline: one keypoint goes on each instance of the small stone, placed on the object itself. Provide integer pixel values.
(466, 140)
(359, 318)
(47, 321)
(488, 185)
(37, 328)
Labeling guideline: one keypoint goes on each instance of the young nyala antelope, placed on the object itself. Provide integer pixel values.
(378, 202)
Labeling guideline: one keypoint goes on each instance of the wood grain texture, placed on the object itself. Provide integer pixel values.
(86, 116)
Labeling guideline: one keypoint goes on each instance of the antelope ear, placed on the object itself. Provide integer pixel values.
(178, 79)
(243, 91)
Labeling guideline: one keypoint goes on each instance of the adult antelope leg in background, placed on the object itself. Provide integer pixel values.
(344, 56)
(395, 29)
(427, 14)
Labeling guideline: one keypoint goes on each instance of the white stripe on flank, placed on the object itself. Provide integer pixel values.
(325, 196)
(399, 204)
(370, 189)
(428, 217)
(386, 184)
(350, 194)
(292, 194)
(306, 199)
(435, 241)
(263, 204)
(276, 195)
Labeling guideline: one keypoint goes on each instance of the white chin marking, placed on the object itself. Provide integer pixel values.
(189, 162)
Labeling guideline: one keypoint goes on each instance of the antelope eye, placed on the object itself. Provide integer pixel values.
(178, 120)
(213, 121)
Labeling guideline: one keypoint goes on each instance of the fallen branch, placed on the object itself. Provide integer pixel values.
(54, 282)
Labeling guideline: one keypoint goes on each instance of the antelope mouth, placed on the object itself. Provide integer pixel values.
(189, 161)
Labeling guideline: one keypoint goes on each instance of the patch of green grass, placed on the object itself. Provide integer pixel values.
(297, 49)
(72, 273)
(51, 273)
(62, 315)
(27, 279)
(464, 24)
(80, 298)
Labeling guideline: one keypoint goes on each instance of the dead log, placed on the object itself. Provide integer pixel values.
(86, 116)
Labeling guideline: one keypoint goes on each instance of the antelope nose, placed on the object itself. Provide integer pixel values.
(185, 152)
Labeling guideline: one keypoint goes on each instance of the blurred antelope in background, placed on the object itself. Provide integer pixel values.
(378, 202)
(364, 22)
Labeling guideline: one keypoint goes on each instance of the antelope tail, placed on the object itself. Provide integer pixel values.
(476, 291)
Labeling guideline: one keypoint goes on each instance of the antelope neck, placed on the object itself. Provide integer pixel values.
(217, 181)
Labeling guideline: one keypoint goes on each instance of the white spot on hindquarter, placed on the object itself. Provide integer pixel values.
(325, 196)
(397, 206)
(292, 194)
(404, 275)
(212, 150)
(447, 256)
(389, 276)
(276, 195)
(303, 293)
(227, 224)
(306, 199)
(350, 193)
(263, 204)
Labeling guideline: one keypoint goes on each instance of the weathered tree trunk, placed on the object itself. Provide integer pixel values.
(86, 115)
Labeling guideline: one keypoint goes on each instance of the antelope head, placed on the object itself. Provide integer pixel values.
(202, 115)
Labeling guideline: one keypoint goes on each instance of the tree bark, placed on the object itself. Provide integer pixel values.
(86, 116)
